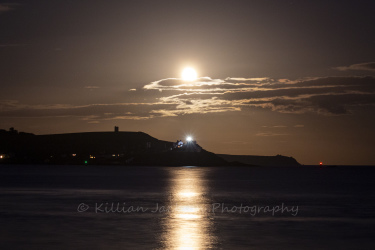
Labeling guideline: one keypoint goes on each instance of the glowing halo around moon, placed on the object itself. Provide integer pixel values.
(189, 74)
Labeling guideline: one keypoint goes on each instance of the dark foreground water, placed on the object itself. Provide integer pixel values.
(107, 207)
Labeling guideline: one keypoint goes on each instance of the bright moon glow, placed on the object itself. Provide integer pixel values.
(189, 138)
(189, 74)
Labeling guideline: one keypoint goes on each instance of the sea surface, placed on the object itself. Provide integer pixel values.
(114, 207)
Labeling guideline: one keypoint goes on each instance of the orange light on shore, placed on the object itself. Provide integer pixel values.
(320, 163)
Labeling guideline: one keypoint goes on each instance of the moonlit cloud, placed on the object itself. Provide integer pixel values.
(11, 45)
(246, 79)
(322, 95)
(116, 111)
(4, 7)
(370, 66)
(174, 97)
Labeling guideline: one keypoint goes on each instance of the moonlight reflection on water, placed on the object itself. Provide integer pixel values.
(188, 225)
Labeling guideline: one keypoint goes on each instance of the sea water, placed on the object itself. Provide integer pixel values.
(114, 207)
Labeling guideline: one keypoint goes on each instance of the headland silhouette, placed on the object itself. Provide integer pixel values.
(118, 148)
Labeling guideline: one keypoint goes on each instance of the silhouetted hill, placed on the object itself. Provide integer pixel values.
(121, 148)
(254, 160)
(76, 148)
(99, 142)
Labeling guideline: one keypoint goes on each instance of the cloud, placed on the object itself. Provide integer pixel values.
(92, 112)
(321, 95)
(4, 7)
(11, 45)
(173, 97)
(242, 79)
(369, 66)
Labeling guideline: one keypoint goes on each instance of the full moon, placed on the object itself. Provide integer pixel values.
(189, 74)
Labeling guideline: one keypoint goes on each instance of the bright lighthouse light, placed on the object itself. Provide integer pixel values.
(189, 138)
(189, 74)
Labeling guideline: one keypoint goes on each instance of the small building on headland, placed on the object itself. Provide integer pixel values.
(188, 146)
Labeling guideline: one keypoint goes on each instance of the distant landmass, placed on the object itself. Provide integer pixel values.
(278, 160)
(118, 148)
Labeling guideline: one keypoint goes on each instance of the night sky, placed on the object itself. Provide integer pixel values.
(295, 78)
